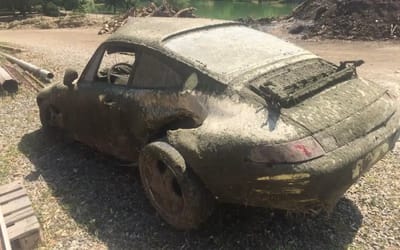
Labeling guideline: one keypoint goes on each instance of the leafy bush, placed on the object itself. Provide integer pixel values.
(50, 9)
(72, 4)
(88, 6)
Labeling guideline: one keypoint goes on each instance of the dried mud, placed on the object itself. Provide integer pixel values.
(350, 19)
(85, 200)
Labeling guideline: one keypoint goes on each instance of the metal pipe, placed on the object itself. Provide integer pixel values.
(45, 74)
(6, 82)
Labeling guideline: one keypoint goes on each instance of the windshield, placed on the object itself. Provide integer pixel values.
(231, 50)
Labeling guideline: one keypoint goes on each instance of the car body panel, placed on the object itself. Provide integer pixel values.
(318, 183)
(334, 104)
(226, 126)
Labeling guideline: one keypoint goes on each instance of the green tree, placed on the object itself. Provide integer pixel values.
(16, 5)
(71, 4)
(88, 6)
(50, 9)
(129, 3)
(114, 4)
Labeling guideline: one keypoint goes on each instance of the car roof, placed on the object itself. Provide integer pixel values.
(152, 31)
(167, 35)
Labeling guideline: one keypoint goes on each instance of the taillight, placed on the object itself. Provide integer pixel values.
(296, 151)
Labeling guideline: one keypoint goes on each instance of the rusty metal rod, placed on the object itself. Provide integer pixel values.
(9, 48)
(7, 82)
(34, 79)
(45, 74)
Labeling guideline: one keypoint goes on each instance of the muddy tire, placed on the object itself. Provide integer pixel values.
(173, 190)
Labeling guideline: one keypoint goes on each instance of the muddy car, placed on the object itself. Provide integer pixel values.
(214, 111)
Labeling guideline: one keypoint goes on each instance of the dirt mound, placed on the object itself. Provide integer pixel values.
(350, 19)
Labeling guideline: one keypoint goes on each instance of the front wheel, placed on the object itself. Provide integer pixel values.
(174, 191)
(50, 117)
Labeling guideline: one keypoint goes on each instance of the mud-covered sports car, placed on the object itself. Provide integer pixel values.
(215, 111)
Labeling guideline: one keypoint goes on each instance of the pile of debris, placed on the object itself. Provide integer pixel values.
(152, 10)
(348, 19)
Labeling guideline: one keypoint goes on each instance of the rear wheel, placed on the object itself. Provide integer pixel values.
(174, 191)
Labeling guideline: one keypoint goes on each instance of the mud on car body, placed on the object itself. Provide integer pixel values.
(215, 111)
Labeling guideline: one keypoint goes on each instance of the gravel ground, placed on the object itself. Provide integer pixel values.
(85, 200)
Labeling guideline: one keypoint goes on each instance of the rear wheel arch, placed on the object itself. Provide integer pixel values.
(179, 122)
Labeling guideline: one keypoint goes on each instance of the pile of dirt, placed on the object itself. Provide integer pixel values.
(164, 10)
(349, 19)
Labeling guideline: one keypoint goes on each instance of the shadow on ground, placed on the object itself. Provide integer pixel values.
(108, 199)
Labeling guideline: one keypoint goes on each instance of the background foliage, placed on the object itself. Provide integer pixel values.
(52, 7)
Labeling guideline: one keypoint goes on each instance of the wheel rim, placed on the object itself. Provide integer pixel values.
(164, 187)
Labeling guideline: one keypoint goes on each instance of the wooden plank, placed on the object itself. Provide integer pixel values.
(10, 187)
(23, 228)
(30, 76)
(28, 242)
(20, 225)
(12, 196)
(5, 241)
(19, 215)
(15, 205)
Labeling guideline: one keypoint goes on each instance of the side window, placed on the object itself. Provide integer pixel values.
(151, 73)
(116, 65)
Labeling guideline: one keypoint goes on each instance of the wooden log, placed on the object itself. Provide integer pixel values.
(21, 76)
(186, 11)
(35, 80)
(7, 82)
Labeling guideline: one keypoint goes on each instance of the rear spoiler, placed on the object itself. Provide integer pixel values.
(281, 96)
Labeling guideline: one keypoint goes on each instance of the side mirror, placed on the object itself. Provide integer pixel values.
(70, 76)
(191, 82)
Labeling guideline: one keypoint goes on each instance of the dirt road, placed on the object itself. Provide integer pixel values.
(85, 200)
(382, 59)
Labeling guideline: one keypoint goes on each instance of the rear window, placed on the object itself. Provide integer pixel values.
(231, 49)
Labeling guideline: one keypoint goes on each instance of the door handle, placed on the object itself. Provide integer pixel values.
(107, 101)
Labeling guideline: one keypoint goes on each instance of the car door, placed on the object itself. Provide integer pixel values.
(155, 101)
(100, 94)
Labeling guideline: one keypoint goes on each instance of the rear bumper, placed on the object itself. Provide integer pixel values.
(319, 183)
